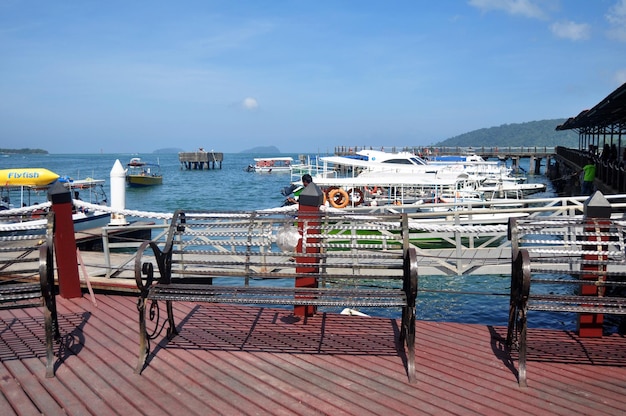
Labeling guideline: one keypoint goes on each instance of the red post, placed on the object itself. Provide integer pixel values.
(65, 241)
(310, 200)
(597, 212)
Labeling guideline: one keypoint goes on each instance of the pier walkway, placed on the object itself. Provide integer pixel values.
(240, 362)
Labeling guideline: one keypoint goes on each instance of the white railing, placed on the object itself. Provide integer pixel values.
(464, 236)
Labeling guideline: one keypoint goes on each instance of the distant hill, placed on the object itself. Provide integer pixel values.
(263, 150)
(168, 150)
(532, 133)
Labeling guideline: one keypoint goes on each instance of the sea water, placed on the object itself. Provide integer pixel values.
(231, 188)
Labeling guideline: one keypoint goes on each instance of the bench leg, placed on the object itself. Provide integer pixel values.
(407, 336)
(171, 330)
(522, 350)
(50, 334)
(143, 336)
(510, 329)
(48, 291)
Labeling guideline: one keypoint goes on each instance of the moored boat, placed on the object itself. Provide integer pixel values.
(272, 165)
(141, 174)
(407, 178)
(26, 200)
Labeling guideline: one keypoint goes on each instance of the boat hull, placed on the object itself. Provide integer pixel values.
(142, 181)
(82, 222)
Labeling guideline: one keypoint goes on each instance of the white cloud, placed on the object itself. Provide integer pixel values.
(524, 8)
(250, 103)
(571, 30)
(620, 76)
(616, 17)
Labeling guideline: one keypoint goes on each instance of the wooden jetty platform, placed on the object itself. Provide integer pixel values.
(200, 160)
(234, 360)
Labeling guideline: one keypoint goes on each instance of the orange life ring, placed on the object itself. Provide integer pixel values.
(327, 190)
(338, 198)
(373, 190)
(356, 196)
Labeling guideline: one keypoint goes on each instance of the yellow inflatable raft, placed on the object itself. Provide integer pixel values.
(27, 177)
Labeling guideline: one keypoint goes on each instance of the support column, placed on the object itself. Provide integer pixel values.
(537, 170)
(310, 200)
(64, 241)
(515, 164)
(597, 212)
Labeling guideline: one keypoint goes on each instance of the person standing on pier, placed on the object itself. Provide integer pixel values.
(589, 175)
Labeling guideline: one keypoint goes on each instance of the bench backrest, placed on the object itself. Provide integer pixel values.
(237, 248)
(26, 263)
(565, 252)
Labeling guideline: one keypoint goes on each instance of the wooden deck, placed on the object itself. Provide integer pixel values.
(236, 360)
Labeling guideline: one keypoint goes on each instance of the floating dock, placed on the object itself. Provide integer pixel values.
(200, 160)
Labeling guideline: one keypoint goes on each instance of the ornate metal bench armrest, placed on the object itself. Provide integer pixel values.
(146, 269)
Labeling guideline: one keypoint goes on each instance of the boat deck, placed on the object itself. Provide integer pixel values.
(237, 360)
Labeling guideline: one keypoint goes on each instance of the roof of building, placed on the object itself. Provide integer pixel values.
(609, 111)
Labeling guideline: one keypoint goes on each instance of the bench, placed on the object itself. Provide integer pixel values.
(570, 265)
(27, 273)
(269, 259)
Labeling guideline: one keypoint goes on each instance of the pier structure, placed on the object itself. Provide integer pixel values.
(601, 131)
(200, 160)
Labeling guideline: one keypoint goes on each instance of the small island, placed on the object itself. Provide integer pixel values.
(23, 152)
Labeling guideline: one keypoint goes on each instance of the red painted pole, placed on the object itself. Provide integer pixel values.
(310, 200)
(65, 241)
(597, 212)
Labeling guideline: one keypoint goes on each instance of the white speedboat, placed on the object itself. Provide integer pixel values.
(374, 177)
(406, 162)
(272, 165)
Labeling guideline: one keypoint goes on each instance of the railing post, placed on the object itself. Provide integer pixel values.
(597, 214)
(64, 241)
(310, 200)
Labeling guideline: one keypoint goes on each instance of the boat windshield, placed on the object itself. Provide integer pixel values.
(405, 161)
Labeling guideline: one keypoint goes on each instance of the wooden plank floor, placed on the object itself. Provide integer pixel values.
(236, 360)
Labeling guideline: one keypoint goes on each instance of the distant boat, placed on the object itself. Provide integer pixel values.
(140, 173)
(271, 165)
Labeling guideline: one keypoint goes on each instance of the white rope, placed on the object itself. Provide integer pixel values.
(18, 226)
(25, 210)
(128, 212)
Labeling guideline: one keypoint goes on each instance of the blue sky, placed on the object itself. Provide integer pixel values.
(304, 76)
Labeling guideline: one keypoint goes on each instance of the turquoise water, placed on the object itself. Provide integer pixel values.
(232, 188)
(229, 188)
